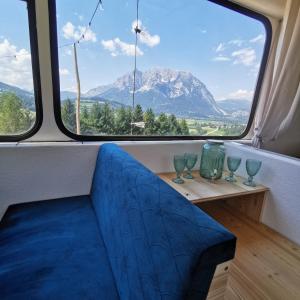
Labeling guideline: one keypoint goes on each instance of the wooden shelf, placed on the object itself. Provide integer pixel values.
(200, 189)
(246, 199)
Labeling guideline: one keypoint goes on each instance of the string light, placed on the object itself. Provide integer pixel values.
(82, 36)
(99, 4)
(137, 31)
(15, 55)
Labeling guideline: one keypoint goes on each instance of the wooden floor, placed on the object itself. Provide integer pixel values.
(266, 265)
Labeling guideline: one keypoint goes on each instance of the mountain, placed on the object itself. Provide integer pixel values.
(236, 108)
(233, 105)
(163, 90)
(64, 95)
(98, 91)
(92, 100)
(27, 97)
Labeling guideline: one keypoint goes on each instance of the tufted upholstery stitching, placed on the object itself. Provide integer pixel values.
(156, 207)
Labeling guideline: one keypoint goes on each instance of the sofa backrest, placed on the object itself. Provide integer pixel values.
(160, 246)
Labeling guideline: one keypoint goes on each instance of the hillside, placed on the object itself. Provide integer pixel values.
(27, 97)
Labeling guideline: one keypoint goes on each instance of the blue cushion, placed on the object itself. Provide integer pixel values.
(54, 250)
(160, 246)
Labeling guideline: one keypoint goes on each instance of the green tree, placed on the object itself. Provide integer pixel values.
(122, 121)
(174, 126)
(137, 117)
(234, 130)
(129, 118)
(85, 122)
(14, 118)
(184, 127)
(150, 125)
(163, 125)
(106, 122)
(95, 116)
(68, 115)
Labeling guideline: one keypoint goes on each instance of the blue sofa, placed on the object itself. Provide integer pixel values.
(133, 237)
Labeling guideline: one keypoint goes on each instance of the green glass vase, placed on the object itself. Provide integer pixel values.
(212, 159)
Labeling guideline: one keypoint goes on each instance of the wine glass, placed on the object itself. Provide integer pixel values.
(191, 160)
(233, 163)
(179, 165)
(252, 167)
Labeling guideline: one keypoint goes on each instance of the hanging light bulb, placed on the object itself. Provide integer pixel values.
(137, 29)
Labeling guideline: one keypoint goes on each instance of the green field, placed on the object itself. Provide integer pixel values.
(207, 127)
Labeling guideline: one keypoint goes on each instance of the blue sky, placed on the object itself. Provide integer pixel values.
(14, 41)
(220, 47)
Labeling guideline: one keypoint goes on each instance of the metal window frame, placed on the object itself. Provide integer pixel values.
(56, 81)
(36, 78)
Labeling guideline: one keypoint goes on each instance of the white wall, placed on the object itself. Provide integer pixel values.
(282, 175)
(32, 172)
(158, 156)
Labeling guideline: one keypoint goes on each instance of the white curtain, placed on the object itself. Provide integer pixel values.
(279, 101)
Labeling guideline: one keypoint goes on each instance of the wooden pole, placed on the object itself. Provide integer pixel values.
(78, 91)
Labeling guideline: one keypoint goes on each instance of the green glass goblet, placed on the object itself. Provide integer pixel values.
(179, 165)
(252, 167)
(233, 163)
(191, 160)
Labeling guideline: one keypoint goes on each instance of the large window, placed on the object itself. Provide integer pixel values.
(20, 114)
(156, 69)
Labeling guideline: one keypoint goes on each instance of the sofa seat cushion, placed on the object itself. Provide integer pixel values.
(54, 250)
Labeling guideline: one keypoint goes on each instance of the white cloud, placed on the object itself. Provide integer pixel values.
(116, 47)
(145, 37)
(246, 56)
(68, 52)
(204, 31)
(15, 66)
(72, 88)
(225, 45)
(64, 72)
(221, 47)
(221, 58)
(238, 43)
(241, 94)
(109, 45)
(69, 31)
(72, 32)
(258, 39)
(254, 70)
(80, 17)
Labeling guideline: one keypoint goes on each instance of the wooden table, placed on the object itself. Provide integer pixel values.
(246, 199)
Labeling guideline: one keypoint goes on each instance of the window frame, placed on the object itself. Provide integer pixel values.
(34, 51)
(56, 82)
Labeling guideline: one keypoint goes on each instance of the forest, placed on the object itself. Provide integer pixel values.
(15, 119)
(102, 119)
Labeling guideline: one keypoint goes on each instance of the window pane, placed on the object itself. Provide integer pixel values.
(17, 100)
(197, 67)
